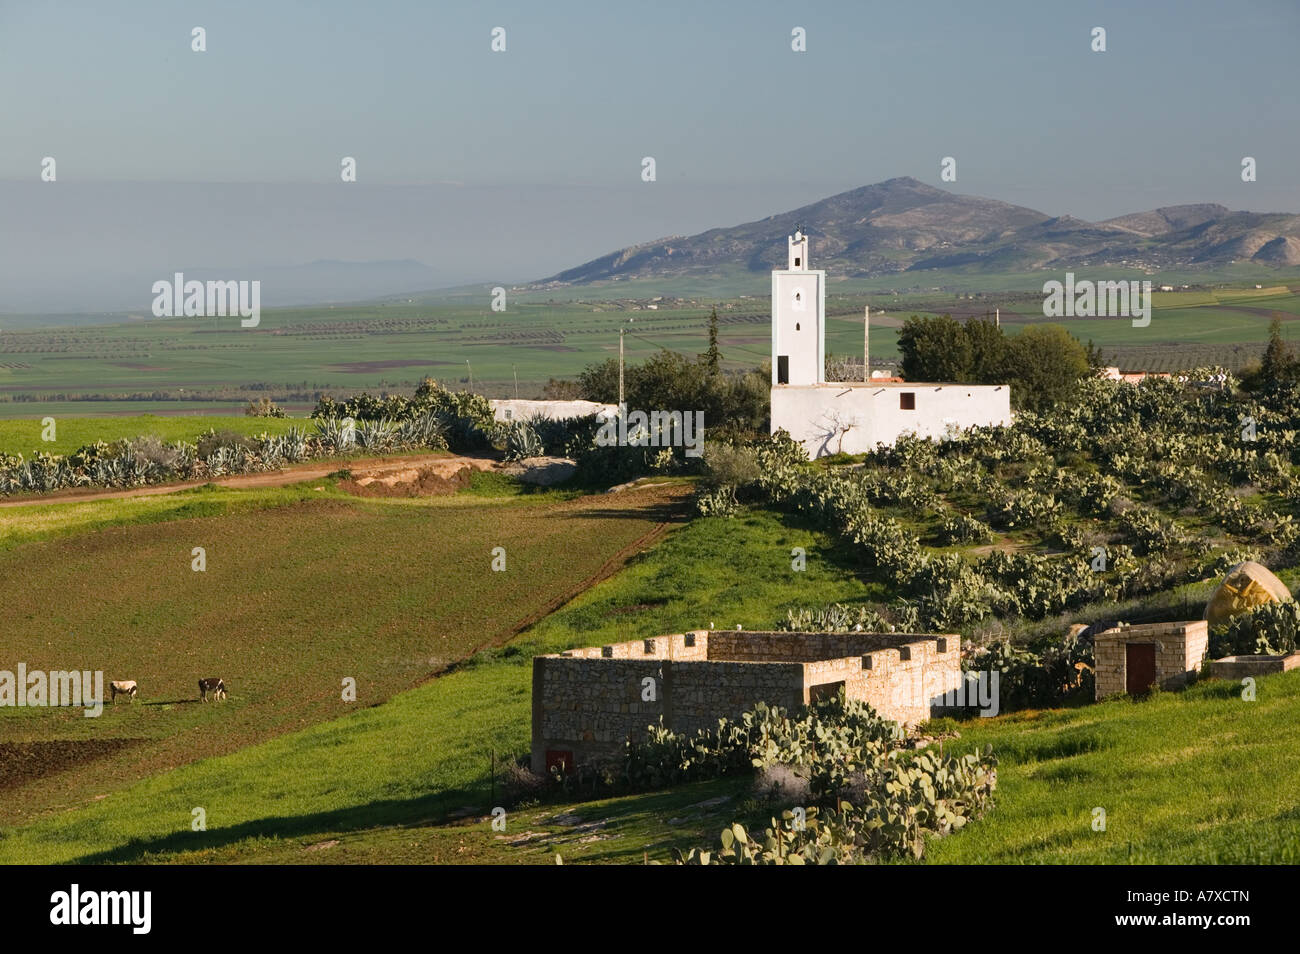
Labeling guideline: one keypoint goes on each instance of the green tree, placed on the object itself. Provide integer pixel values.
(1096, 358)
(1279, 364)
(988, 345)
(712, 358)
(935, 349)
(599, 382)
(1044, 365)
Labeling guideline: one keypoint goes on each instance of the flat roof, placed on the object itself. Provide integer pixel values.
(903, 385)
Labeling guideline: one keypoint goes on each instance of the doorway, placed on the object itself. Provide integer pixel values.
(1139, 667)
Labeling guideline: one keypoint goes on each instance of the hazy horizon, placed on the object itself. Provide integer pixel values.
(508, 167)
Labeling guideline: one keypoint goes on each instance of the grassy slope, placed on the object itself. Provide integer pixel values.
(294, 599)
(426, 752)
(1198, 775)
(1194, 777)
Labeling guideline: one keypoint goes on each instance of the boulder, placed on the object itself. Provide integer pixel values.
(542, 471)
(1246, 586)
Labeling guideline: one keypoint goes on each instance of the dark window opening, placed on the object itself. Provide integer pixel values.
(796, 262)
(796, 326)
(827, 690)
(907, 401)
(783, 369)
(559, 758)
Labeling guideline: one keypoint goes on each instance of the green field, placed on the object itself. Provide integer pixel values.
(296, 353)
(303, 588)
(1195, 775)
(25, 436)
(422, 753)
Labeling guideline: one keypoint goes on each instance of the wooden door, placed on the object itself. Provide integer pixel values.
(1139, 667)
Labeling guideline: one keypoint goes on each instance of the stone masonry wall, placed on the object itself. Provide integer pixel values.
(803, 647)
(590, 701)
(1181, 648)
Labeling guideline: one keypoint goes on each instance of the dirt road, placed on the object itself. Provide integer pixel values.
(443, 464)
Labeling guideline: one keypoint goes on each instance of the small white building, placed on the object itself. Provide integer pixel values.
(828, 417)
(519, 410)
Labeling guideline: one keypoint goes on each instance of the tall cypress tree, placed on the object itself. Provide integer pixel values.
(713, 358)
(1278, 364)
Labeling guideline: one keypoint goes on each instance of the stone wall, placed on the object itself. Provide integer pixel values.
(759, 646)
(1181, 648)
(588, 702)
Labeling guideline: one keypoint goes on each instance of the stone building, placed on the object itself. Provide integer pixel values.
(829, 417)
(1133, 658)
(588, 702)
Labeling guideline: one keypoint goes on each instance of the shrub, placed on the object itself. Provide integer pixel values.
(1271, 629)
(264, 407)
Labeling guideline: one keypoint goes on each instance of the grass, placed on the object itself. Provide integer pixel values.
(1192, 777)
(22, 436)
(299, 352)
(1198, 775)
(294, 599)
(36, 521)
(422, 753)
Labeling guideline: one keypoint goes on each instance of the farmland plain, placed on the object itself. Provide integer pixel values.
(197, 364)
(303, 588)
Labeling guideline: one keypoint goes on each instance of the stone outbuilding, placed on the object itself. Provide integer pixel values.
(588, 702)
(1132, 659)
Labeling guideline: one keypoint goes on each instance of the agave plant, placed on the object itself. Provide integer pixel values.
(522, 441)
(423, 431)
(293, 444)
(378, 434)
(337, 434)
(221, 461)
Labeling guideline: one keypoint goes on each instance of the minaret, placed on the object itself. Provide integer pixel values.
(866, 344)
(798, 318)
(798, 252)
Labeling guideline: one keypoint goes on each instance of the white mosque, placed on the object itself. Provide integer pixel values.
(828, 417)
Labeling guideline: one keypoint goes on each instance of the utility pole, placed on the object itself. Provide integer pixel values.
(866, 345)
(515, 371)
(622, 404)
(471, 374)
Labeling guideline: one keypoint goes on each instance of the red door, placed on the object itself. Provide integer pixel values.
(1139, 667)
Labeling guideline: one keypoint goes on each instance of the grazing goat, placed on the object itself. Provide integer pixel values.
(123, 687)
(214, 686)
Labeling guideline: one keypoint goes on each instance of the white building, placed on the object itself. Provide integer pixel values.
(518, 410)
(854, 416)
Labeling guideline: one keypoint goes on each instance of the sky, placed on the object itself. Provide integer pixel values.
(508, 166)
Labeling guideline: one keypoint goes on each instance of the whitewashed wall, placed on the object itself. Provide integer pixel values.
(813, 415)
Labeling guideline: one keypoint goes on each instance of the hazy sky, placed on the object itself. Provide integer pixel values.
(509, 166)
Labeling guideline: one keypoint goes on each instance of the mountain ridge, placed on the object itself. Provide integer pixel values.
(905, 225)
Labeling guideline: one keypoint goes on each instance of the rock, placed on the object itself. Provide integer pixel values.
(542, 471)
(1246, 586)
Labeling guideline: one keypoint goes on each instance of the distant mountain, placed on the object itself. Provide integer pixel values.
(904, 225)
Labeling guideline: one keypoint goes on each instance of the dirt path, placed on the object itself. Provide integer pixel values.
(442, 464)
